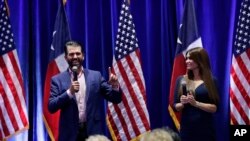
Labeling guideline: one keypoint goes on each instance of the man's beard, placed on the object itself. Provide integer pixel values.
(74, 63)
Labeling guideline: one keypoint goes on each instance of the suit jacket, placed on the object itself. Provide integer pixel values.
(96, 89)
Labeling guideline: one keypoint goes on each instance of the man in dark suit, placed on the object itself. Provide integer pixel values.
(78, 93)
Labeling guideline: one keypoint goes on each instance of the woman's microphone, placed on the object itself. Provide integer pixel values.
(184, 87)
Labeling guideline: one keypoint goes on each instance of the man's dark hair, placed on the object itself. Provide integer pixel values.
(74, 44)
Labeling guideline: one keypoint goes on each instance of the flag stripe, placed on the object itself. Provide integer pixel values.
(137, 60)
(127, 67)
(178, 69)
(122, 123)
(4, 118)
(234, 114)
(128, 105)
(240, 69)
(1, 128)
(15, 69)
(247, 60)
(51, 120)
(236, 82)
(13, 107)
(127, 114)
(18, 84)
(128, 77)
(131, 94)
(239, 109)
(138, 72)
(130, 123)
(115, 123)
(8, 99)
(238, 92)
(238, 97)
(196, 43)
(61, 63)
(17, 98)
(8, 113)
(131, 59)
(237, 115)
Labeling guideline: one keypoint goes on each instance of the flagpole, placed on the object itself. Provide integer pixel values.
(7, 6)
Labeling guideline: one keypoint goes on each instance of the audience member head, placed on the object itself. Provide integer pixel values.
(97, 138)
(158, 134)
(173, 134)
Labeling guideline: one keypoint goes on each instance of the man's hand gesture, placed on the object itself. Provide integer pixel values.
(113, 79)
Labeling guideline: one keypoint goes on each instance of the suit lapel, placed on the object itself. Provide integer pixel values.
(87, 82)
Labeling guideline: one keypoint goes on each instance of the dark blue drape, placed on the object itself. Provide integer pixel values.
(94, 24)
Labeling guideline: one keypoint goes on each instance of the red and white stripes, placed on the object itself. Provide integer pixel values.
(130, 118)
(13, 111)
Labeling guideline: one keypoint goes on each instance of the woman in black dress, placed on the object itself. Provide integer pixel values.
(196, 97)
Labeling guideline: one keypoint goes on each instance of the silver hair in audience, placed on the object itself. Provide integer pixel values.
(97, 138)
(157, 135)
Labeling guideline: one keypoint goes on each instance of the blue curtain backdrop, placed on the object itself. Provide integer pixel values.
(94, 23)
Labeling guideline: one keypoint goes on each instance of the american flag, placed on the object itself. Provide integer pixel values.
(240, 69)
(13, 110)
(130, 118)
(57, 64)
(188, 38)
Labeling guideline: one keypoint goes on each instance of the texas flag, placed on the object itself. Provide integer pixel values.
(188, 38)
(57, 64)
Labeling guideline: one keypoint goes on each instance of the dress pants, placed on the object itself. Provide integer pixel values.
(82, 132)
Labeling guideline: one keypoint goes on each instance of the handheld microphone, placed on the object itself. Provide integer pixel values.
(75, 77)
(184, 87)
(74, 70)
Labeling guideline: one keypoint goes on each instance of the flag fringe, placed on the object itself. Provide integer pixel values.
(111, 130)
(16, 132)
(48, 129)
(172, 114)
(140, 136)
(137, 138)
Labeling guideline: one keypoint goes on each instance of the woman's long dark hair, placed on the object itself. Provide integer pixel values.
(200, 56)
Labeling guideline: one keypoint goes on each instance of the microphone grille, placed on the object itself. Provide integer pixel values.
(183, 82)
(74, 68)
